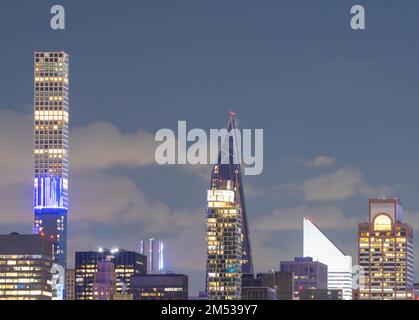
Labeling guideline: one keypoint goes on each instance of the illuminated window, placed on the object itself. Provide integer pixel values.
(382, 223)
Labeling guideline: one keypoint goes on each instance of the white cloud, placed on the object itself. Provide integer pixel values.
(339, 185)
(101, 145)
(96, 146)
(16, 147)
(321, 161)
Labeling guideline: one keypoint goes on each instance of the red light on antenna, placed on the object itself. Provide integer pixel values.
(232, 113)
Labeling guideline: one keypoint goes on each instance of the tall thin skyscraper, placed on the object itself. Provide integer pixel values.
(385, 253)
(51, 103)
(228, 245)
(339, 265)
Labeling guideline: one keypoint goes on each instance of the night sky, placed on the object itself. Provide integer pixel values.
(339, 109)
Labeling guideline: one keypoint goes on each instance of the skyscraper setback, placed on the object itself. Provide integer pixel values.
(51, 104)
(385, 252)
(339, 266)
(228, 245)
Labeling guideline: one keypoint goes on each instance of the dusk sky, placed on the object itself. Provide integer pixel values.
(339, 109)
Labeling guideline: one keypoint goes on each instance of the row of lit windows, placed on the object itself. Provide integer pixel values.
(19, 256)
(50, 151)
(62, 78)
(20, 280)
(26, 293)
(19, 274)
(58, 115)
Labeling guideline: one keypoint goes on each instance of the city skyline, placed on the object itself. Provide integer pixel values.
(339, 116)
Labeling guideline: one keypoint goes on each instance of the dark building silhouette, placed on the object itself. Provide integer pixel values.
(70, 284)
(284, 281)
(320, 294)
(268, 286)
(308, 274)
(160, 287)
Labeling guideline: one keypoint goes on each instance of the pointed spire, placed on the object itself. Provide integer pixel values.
(229, 171)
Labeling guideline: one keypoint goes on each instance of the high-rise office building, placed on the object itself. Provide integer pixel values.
(25, 267)
(154, 249)
(51, 103)
(308, 274)
(385, 252)
(228, 245)
(126, 264)
(339, 265)
(104, 283)
(70, 284)
(168, 286)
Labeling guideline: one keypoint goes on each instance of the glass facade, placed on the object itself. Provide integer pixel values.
(229, 252)
(155, 252)
(25, 267)
(385, 253)
(339, 265)
(126, 265)
(51, 104)
(224, 245)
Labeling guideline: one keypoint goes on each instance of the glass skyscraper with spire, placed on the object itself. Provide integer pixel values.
(229, 254)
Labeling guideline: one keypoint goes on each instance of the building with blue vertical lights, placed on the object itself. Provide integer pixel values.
(51, 122)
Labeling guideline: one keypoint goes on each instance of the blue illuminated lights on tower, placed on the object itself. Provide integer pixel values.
(51, 123)
(50, 192)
